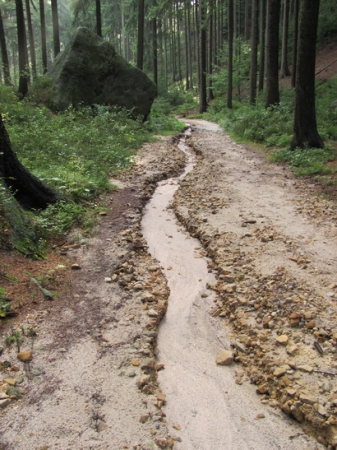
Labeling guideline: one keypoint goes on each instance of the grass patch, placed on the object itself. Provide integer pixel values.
(75, 152)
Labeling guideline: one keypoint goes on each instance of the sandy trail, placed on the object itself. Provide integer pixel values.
(205, 406)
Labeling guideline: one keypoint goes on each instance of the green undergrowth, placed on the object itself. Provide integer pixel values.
(76, 152)
(272, 128)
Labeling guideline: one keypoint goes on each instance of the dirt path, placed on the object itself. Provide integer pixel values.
(271, 253)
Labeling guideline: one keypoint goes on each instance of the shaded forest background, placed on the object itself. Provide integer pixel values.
(249, 65)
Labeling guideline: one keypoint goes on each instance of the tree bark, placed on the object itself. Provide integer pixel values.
(31, 39)
(230, 54)
(43, 38)
(22, 45)
(4, 54)
(140, 40)
(295, 38)
(28, 190)
(305, 126)
(98, 18)
(285, 72)
(253, 57)
(273, 23)
(262, 43)
(56, 27)
(203, 59)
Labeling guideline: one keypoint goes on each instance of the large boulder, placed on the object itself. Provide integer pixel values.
(89, 71)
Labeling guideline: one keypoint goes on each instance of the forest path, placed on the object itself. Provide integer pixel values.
(268, 247)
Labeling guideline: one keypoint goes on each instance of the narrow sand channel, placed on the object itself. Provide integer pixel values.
(205, 409)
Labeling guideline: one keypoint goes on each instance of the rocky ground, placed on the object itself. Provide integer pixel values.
(80, 371)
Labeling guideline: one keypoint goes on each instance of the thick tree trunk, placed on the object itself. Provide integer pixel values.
(4, 54)
(273, 23)
(56, 27)
(295, 39)
(98, 18)
(262, 43)
(305, 126)
(28, 190)
(285, 72)
(22, 44)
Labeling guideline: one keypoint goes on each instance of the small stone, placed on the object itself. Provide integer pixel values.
(108, 279)
(260, 416)
(320, 409)
(148, 363)
(144, 418)
(307, 398)
(101, 426)
(14, 392)
(305, 368)
(10, 381)
(279, 371)
(225, 358)
(176, 426)
(291, 349)
(76, 267)
(135, 362)
(152, 313)
(160, 396)
(283, 339)
(25, 356)
(5, 402)
(114, 277)
(3, 395)
(4, 387)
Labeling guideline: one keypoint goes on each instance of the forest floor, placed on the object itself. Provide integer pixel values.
(88, 377)
(88, 370)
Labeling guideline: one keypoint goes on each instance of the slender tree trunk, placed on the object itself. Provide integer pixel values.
(22, 45)
(187, 73)
(197, 39)
(253, 57)
(285, 72)
(305, 126)
(295, 42)
(4, 54)
(210, 50)
(180, 76)
(98, 18)
(31, 39)
(56, 27)
(43, 38)
(230, 54)
(155, 49)
(189, 44)
(140, 41)
(273, 23)
(262, 43)
(203, 59)
(247, 19)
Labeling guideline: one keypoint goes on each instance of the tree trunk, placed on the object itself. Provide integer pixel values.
(56, 27)
(230, 54)
(305, 126)
(4, 54)
(203, 60)
(43, 38)
(140, 40)
(155, 50)
(31, 39)
(285, 72)
(210, 50)
(187, 65)
(22, 45)
(273, 22)
(295, 39)
(28, 190)
(253, 57)
(98, 18)
(262, 43)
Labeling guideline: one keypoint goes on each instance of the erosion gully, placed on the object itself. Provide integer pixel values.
(205, 408)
